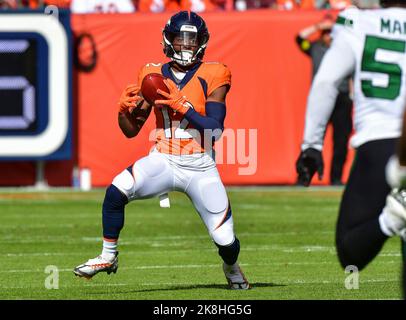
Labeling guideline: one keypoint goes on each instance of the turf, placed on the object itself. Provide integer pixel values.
(286, 234)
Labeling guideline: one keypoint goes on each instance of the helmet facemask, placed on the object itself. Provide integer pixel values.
(185, 47)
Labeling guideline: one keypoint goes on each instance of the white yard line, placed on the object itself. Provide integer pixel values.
(158, 245)
(137, 240)
(284, 249)
(288, 188)
(195, 266)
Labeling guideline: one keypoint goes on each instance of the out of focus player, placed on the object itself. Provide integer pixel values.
(372, 45)
(396, 176)
(188, 121)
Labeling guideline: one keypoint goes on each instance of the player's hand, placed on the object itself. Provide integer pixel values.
(395, 173)
(309, 161)
(129, 99)
(175, 100)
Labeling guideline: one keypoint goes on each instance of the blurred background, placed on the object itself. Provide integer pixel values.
(63, 65)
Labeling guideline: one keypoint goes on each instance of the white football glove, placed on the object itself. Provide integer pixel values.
(395, 173)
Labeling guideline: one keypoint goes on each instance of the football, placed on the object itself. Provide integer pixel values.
(151, 83)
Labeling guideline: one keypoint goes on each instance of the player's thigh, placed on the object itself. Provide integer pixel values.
(366, 190)
(148, 177)
(210, 199)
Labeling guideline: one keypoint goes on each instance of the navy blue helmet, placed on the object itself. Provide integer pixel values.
(185, 38)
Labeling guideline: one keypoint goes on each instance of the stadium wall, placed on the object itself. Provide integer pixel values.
(270, 83)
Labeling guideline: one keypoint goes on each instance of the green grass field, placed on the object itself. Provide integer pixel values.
(286, 234)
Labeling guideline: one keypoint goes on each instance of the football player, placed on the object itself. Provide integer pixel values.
(396, 177)
(371, 44)
(188, 120)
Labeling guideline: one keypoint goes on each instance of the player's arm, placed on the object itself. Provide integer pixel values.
(131, 123)
(215, 113)
(133, 111)
(215, 108)
(302, 38)
(337, 64)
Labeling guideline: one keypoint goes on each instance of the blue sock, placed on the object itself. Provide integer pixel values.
(229, 253)
(113, 212)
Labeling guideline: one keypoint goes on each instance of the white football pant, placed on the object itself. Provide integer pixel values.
(157, 174)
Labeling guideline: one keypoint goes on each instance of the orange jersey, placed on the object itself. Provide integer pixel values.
(174, 134)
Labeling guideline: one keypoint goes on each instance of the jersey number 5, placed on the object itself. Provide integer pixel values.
(392, 70)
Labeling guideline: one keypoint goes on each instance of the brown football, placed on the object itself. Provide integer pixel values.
(151, 83)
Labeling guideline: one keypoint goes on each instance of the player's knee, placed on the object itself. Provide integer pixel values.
(213, 189)
(114, 200)
(224, 234)
(124, 182)
(229, 253)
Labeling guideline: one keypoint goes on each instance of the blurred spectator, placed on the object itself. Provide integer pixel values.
(158, 6)
(242, 5)
(339, 4)
(201, 5)
(314, 4)
(178, 5)
(341, 118)
(102, 6)
(58, 3)
(36, 4)
(8, 4)
(296, 4)
(366, 4)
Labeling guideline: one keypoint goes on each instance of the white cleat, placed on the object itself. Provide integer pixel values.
(235, 277)
(96, 265)
(396, 208)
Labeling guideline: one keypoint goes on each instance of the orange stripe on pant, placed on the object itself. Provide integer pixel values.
(224, 217)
